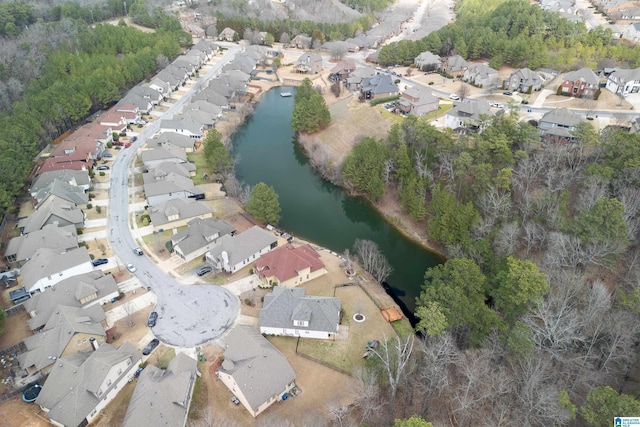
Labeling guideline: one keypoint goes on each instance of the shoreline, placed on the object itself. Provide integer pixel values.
(409, 232)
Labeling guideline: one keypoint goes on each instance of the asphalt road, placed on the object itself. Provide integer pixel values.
(189, 315)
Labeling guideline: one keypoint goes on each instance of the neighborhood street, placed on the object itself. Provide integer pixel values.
(188, 315)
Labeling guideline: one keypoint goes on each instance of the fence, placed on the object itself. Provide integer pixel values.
(14, 309)
(313, 359)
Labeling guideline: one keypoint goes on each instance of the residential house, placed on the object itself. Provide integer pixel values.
(177, 213)
(632, 32)
(258, 54)
(221, 87)
(67, 331)
(308, 63)
(427, 61)
(54, 211)
(162, 396)
(524, 80)
(342, 70)
(155, 97)
(631, 13)
(289, 266)
(73, 177)
(241, 63)
(173, 76)
(83, 290)
(289, 312)
(228, 35)
(211, 97)
(301, 41)
(254, 370)
(61, 190)
(172, 186)
(164, 169)
(194, 30)
(364, 42)
(454, 65)
(354, 81)
(482, 75)
(182, 126)
(557, 126)
(47, 267)
(417, 100)
(582, 83)
(164, 87)
(190, 64)
(165, 139)
(373, 57)
(208, 47)
(207, 121)
(117, 120)
(166, 154)
(378, 86)
(200, 236)
(80, 386)
(624, 82)
(213, 110)
(142, 104)
(467, 116)
(80, 149)
(59, 239)
(235, 252)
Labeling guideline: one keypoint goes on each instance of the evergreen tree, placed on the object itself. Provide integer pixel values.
(263, 204)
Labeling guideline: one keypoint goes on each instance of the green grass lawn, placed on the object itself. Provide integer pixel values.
(201, 167)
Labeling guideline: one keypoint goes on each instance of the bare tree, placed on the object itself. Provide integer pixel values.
(630, 199)
(372, 259)
(438, 355)
(338, 412)
(366, 392)
(338, 50)
(395, 355)
(129, 309)
(506, 241)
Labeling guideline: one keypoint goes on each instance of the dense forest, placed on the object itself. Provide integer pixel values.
(53, 75)
(518, 33)
(538, 299)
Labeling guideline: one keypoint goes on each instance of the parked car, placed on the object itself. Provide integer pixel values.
(127, 145)
(454, 97)
(99, 261)
(507, 93)
(132, 268)
(235, 400)
(153, 317)
(138, 251)
(118, 143)
(204, 270)
(107, 155)
(103, 168)
(150, 347)
(134, 138)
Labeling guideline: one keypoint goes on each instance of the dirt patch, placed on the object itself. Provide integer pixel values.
(16, 413)
(15, 329)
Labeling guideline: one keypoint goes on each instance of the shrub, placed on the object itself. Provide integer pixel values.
(248, 302)
(99, 209)
(89, 206)
(109, 144)
(375, 102)
(251, 271)
(102, 173)
(430, 83)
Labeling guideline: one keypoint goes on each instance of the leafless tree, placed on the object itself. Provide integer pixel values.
(420, 164)
(338, 412)
(389, 167)
(506, 242)
(395, 355)
(338, 50)
(373, 261)
(130, 309)
(209, 418)
(366, 392)
(285, 39)
(594, 189)
(463, 90)
(630, 199)
(533, 235)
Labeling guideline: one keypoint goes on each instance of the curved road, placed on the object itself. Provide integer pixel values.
(188, 315)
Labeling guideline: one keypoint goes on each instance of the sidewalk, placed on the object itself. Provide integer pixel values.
(130, 307)
(242, 285)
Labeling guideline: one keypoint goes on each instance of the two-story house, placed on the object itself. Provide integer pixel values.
(582, 83)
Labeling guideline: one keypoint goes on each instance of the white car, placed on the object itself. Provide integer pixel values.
(132, 268)
(454, 97)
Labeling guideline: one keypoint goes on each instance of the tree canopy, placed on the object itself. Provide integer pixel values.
(263, 204)
(310, 113)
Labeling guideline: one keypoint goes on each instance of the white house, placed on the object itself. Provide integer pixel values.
(624, 82)
(234, 252)
(289, 312)
(46, 268)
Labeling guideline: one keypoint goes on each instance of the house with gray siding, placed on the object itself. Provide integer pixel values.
(232, 253)
(59, 239)
(557, 126)
(177, 213)
(200, 236)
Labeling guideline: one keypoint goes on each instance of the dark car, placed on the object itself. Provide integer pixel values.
(99, 261)
(204, 270)
(107, 155)
(507, 93)
(103, 168)
(150, 347)
(153, 316)
(134, 139)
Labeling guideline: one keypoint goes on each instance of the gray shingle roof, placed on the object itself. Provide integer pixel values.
(57, 209)
(171, 138)
(59, 239)
(63, 190)
(199, 233)
(69, 392)
(284, 305)
(46, 262)
(161, 396)
(184, 208)
(258, 368)
(73, 177)
(585, 74)
(69, 292)
(380, 83)
(241, 246)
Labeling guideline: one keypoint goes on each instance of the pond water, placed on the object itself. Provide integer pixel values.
(313, 208)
